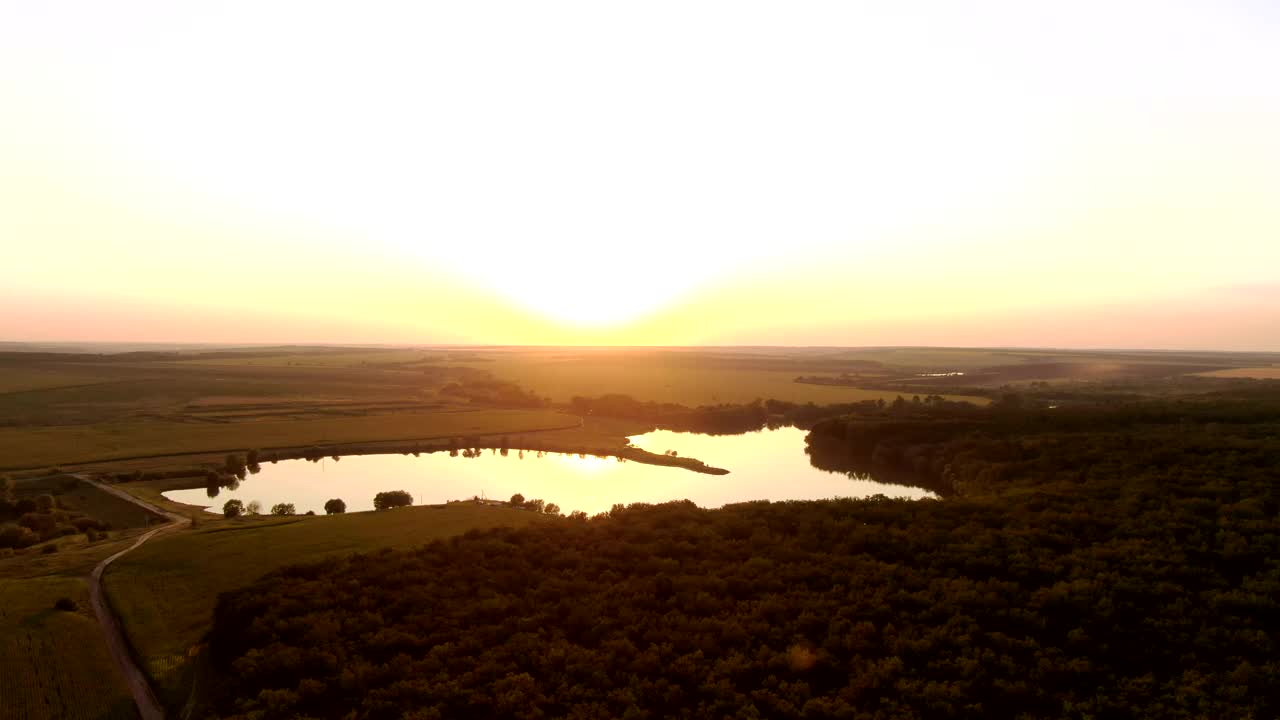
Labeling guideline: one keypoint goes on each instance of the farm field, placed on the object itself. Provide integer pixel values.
(72, 444)
(660, 378)
(1271, 372)
(78, 496)
(166, 590)
(55, 663)
(18, 381)
(72, 409)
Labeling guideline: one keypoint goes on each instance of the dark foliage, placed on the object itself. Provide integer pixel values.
(335, 506)
(388, 499)
(1121, 566)
(30, 520)
(710, 419)
(490, 391)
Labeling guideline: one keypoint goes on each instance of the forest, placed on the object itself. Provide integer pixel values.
(1114, 561)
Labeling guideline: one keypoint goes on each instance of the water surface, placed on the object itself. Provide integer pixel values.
(763, 465)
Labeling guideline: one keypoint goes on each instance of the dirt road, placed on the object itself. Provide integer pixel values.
(148, 706)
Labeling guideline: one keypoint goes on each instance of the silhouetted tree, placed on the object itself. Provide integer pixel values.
(517, 499)
(233, 508)
(389, 499)
(283, 509)
(335, 506)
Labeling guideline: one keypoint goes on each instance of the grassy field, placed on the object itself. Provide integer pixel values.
(55, 664)
(68, 409)
(26, 380)
(666, 378)
(1255, 373)
(339, 358)
(78, 496)
(70, 444)
(166, 590)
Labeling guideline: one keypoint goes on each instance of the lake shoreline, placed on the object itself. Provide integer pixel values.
(767, 465)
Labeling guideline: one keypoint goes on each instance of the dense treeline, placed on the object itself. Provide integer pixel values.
(966, 450)
(1126, 567)
(491, 391)
(727, 419)
(28, 520)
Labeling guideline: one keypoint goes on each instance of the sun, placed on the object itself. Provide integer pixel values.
(609, 294)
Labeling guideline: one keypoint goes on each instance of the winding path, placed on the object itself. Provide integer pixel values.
(148, 706)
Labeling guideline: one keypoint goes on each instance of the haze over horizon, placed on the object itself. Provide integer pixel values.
(1100, 175)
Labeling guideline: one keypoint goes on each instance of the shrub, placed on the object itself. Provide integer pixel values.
(391, 499)
(85, 524)
(17, 536)
(283, 509)
(232, 508)
(335, 506)
(42, 524)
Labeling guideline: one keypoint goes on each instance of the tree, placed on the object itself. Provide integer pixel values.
(283, 509)
(551, 509)
(517, 500)
(253, 508)
(233, 508)
(388, 499)
(534, 505)
(335, 507)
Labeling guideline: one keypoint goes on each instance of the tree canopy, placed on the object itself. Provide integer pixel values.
(388, 499)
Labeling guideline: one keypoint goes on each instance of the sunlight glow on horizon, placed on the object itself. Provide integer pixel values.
(672, 173)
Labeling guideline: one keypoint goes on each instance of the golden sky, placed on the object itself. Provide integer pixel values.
(1099, 174)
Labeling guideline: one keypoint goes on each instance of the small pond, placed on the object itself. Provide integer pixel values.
(763, 465)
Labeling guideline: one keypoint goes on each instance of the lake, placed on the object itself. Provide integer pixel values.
(763, 465)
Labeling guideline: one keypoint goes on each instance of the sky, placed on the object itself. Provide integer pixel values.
(1086, 174)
